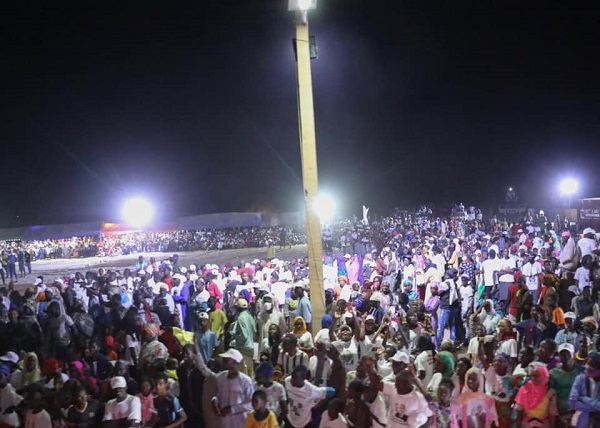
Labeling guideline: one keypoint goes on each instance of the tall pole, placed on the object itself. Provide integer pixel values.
(310, 177)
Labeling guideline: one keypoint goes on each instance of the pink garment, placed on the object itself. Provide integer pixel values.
(147, 407)
(353, 270)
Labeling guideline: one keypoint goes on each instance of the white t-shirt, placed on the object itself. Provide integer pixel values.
(466, 294)
(507, 264)
(38, 420)
(582, 276)
(509, 347)
(339, 422)
(433, 384)
(489, 266)
(275, 394)
(531, 272)
(301, 401)
(424, 362)
(9, 398)
(587, 246)
(378, 411)
(129, 409)
(409, 410)
(306, 340)
(350, 353)
(278, 289)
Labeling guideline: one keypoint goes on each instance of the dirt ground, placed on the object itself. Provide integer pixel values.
(51, 269)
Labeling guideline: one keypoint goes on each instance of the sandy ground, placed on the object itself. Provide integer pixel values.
(51, 269)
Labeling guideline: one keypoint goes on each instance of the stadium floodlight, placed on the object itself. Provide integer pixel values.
(301, 5)
(324, 205)
(137, 212)
(568, 186)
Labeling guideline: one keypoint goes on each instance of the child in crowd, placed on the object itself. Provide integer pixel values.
(169, 412)
(261, 416)
(334, 418)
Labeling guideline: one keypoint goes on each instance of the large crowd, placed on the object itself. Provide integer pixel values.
(428, 322)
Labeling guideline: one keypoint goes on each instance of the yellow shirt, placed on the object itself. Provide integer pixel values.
(269, 422)
(216, 322)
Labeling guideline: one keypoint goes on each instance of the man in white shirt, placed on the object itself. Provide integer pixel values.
(588, 242)
(531, 271)
(489, 268)
(507, 267)
(125, 409)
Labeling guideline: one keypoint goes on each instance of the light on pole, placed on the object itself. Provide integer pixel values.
(568, 187)
(137, 212)
(308, 152)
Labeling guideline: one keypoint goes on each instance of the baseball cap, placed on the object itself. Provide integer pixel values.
(118, 382)
(570, 315)
(242, 303)
(401, 357)
(566, 347)
(10, 356)
(376, 297)
(589, 230)
(203, 316)
(234, 354)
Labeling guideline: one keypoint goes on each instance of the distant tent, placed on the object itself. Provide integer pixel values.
(61, 231)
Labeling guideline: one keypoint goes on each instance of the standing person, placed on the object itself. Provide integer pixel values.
(28, 261)
(562, 379)
(449, 310)
(260, 416)
(531, 271)
(21, 259)
(302, 396)
(192, 386)
(243, 333)
(408, 407)
(125, 409)
(269, 314)
(169, 412)
(234, 397)
(207, 338)
(535, 401)
(11, 262)
(476, 408)
(304, 308)
(583, 398)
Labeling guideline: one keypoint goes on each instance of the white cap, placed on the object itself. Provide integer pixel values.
(192, 268)
(570, 315)
(567, 347)
(234, 354)
(589, 230)
(37, 281)
(376, 297)
(118, 382)
(347, 256)
(203, 316)
(11, 357)
(401, 357)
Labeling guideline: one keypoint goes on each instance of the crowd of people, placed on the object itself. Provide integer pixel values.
(433, 323)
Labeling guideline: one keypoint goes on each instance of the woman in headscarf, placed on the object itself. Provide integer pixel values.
(536, 401)
(477, 409)
(152, 349)
(498, 378)
(77, 372)
(444, 369)
(31, 369)
(305, 339)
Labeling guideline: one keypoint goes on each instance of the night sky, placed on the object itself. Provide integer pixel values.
(193, 104)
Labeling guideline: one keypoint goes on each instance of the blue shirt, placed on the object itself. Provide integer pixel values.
(208, 343)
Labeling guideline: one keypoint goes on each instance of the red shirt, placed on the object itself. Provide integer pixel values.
(512, 291)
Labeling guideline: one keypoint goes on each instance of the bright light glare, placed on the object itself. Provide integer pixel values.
(568, 186)
(304, 4)
(137, 212)
(324, 205)
(510, 189)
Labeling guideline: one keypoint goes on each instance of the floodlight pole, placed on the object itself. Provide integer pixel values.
(310, 181)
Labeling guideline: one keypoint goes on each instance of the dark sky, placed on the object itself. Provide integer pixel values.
(193, 104)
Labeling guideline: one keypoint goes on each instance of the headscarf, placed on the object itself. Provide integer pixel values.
(530, 395)
(302, 330)
(152, 331)
(326, 321)
(467, 392)
(30, 376)
(448, 360)
(507, 360)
